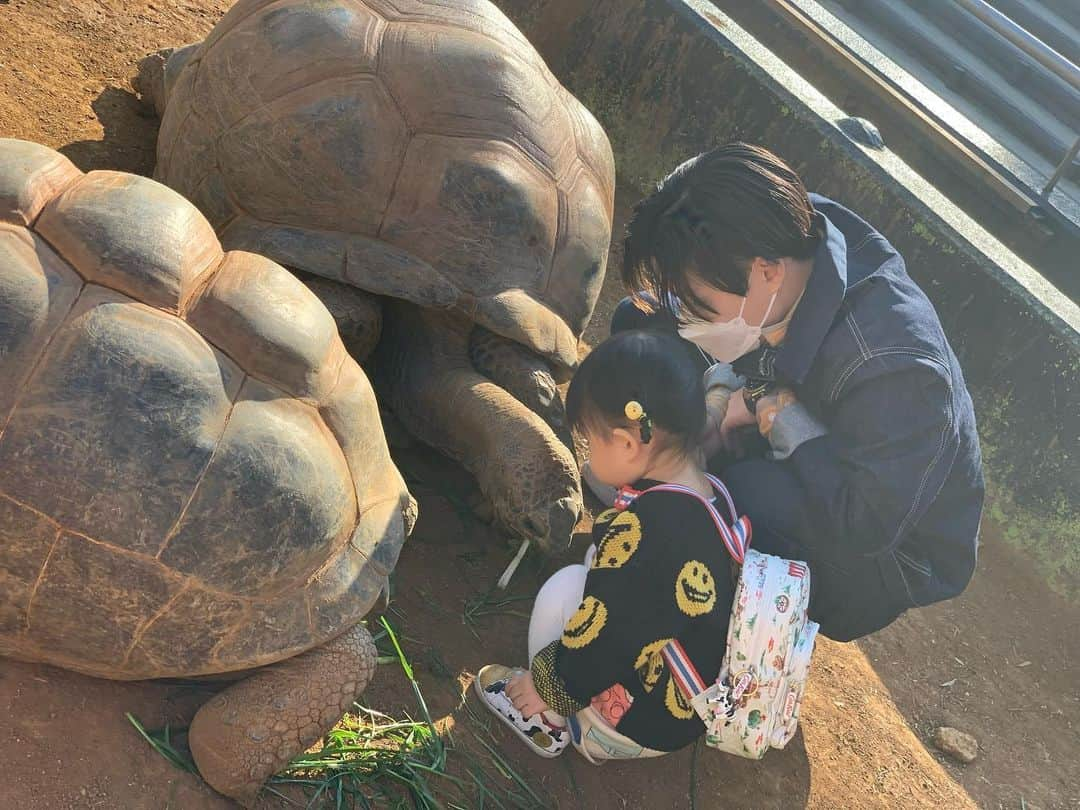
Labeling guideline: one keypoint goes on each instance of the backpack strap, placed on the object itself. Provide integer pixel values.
(736, 536)
(682, 669)
(624, 497)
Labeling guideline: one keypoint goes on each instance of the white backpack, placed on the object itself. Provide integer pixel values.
(754, 703)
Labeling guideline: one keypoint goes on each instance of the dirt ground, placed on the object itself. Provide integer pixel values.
(1002, 662)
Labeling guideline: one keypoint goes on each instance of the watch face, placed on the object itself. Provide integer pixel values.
(757, 391)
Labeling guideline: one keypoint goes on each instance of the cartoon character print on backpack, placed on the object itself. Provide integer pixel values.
(723, 705)
(621, 539)
(767, 659)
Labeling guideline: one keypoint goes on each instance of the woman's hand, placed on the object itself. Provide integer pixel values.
(770, 405)
(522, 692)
(722, 386)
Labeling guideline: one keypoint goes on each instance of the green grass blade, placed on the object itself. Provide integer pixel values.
(166, 750)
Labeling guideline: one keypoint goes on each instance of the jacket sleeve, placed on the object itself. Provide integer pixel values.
(891, 443)
(621, 604)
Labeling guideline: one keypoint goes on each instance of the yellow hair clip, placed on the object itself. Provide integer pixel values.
(635, 413)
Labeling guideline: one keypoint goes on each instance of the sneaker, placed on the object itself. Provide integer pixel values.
(605, 493)
(545, 738)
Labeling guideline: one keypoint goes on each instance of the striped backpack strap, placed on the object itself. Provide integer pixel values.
(736, 535)
(624, 497)
(682, 669)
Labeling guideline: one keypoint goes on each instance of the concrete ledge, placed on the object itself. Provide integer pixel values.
(670, 78)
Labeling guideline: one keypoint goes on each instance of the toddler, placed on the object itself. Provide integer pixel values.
(657, 571)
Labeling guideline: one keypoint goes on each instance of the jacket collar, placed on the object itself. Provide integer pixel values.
(820, 303)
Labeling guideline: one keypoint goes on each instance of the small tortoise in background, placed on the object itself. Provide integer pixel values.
(193, 476)
(423, 152)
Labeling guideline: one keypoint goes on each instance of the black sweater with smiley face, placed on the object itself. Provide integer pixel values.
(660, 572)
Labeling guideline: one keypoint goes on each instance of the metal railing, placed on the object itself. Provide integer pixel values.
(1024, 40)
(1042, 53)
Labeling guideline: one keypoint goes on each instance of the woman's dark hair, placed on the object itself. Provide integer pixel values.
(656, 370)
(710, 217)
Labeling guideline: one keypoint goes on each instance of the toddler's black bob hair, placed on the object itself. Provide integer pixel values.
(656, 370)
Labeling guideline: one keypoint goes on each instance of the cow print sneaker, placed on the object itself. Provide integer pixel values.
(544, 738)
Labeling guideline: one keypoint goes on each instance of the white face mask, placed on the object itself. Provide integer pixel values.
(727, 341)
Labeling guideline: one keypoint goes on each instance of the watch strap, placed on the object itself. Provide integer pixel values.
(759, 364)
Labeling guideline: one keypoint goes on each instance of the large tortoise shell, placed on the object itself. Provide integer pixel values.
(193, 476)
(421, 150)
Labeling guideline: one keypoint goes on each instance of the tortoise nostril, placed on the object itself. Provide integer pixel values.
(552, 526)
(533, 528)
(562, 518)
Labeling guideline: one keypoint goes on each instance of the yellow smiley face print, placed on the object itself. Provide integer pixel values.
(650, 664)
(585, 625)
(676, 701)
(695, 589)
(620, 541)
(603, 520)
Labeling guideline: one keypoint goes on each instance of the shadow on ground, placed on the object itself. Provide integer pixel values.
(129, 140)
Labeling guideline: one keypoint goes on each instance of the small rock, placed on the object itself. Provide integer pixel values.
(958, 745)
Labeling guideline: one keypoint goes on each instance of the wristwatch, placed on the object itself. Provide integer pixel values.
(754, 390)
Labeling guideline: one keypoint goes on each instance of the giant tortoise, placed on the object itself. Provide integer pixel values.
(193, 476)
(421, 151)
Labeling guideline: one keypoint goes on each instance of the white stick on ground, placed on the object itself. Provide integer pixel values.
(504, 580)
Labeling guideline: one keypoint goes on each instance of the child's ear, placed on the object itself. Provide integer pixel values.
(624, 440)
(628, 444)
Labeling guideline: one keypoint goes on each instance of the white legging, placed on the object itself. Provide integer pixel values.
(556, 602)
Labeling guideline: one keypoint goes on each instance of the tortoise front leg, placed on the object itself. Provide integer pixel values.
(358, 314)
(422, 371)
(250, 731)
(524, 374)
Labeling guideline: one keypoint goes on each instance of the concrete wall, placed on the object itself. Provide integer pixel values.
(670, 78)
